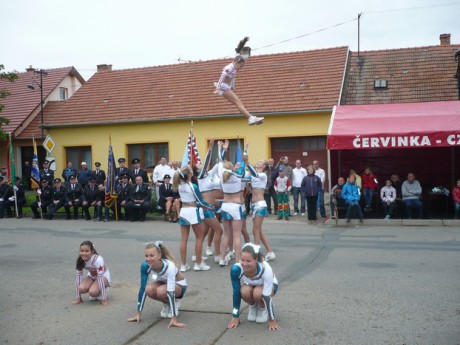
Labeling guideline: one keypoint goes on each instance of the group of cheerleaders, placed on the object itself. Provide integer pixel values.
(252, 277)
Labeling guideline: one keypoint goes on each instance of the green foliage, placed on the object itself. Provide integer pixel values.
(11, 77)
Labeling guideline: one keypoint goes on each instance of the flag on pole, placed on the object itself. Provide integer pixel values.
(239, 153)
(35, 172)
(111, 186)
(191, 155)
(11, 169)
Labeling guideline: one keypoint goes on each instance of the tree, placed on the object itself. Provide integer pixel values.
(12, 77)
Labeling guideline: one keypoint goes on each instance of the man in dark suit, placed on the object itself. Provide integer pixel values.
(46, 173)
(124, 191)
(9, 199)
(3, 190)
(121, 168)
(59, 194)
(73, 197)
(139, 200)
(138, 171)
(90, 196)
(44, 199)
(99, 174)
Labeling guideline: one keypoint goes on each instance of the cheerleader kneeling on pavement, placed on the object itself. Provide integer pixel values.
(253, 281)
(169, 284)
(98, 279)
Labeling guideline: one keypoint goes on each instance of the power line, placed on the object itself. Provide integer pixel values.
(413, 8)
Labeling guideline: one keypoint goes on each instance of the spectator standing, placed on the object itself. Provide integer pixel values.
(322, 175)
(84, 175)
(282, 188)
(298, 174)
(98, 174)
(456, 198)
(67, 172)
(358, 180)
(271, 194)
(370, 184)
(159, 172)
(411, 193)
(311, 187)
(388, 197)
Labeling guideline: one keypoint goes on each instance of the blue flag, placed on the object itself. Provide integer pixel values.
(111, 186)
(239, 153)
(34, 172)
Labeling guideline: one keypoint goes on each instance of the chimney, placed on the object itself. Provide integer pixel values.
(30, 69)
(445, 39)
(104, 68)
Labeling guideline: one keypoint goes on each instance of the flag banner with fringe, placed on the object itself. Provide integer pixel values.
(35, 171)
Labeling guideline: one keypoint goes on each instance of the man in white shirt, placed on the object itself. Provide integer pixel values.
(159, 172)
(322, 175)
(298, 173)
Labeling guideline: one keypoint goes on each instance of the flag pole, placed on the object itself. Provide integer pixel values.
(13, 179)
(190, 159)
(39, 195)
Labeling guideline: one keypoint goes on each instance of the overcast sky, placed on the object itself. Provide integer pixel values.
(138, 33)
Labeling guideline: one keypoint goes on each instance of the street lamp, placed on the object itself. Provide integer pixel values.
(31, 86)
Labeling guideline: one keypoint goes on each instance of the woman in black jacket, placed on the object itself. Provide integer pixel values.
(311, 185)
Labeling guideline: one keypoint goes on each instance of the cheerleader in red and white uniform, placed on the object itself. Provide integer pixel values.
(226, 85)
(98, 279)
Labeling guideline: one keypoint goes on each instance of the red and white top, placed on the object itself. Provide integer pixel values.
(96, 271)
(229, 71)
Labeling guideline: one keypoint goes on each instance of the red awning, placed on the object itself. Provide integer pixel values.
(403, 125)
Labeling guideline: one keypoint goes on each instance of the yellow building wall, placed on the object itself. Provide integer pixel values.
(175, 133)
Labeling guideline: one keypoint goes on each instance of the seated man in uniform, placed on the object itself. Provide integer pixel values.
(139, 200)
(90, 197)
(73, 198)
(44, 199)
(59, 198)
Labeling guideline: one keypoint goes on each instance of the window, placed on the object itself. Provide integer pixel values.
(231, 152)
(298, 144)
(63, 93)
(79, 154)
(380, 84)
(149, 154)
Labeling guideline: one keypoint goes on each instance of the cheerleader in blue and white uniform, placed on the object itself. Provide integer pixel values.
(232, 211)
(208, 183)
(169, 284)
(259, 206)
(190, 216)
(98, 279)
(253, 281)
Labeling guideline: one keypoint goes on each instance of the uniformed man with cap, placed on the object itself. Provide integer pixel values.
(59, 198)
(90, 196)
(139, 200)
(3, 190)
(46, 173)
(99, 174)
(73, 197)
(9, 199)
(44, 199)
(122, 169)
(138, 171)
(124, 191)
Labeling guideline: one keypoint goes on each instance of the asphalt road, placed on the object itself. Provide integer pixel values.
(338, 285)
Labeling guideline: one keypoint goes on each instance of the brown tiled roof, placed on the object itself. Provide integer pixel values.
(423, 74)
(267, 84)
(34, 129)
(22, 101)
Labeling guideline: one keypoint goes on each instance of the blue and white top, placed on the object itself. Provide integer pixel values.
(166, 275)
(208, 180)
(264, 277)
